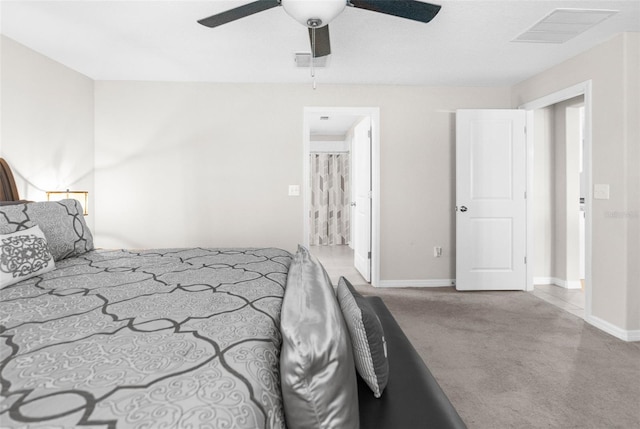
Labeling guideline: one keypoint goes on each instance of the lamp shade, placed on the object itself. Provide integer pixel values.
(314, 13)
(81, 196)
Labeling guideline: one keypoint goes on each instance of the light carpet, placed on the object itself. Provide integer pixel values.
(511, 360)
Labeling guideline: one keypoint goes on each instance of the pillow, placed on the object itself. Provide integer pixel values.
(317, 373)
(23, 254)
(367, 337)
(61, 222)
(8, 229)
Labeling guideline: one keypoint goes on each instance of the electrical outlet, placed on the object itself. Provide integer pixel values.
(437, 252)
(600, 192)
(294, 190)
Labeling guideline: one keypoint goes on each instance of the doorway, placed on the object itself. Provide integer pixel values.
(558, 198)
(330, 198)
(559, 182)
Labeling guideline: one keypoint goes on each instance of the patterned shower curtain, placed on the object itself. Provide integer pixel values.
(330, 198)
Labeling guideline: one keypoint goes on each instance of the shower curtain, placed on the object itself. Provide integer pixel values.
(330, 198)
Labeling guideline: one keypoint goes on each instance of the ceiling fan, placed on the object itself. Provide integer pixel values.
(316, 14)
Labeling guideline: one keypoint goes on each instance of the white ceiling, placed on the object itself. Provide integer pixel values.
(467, 44)
(336, 123)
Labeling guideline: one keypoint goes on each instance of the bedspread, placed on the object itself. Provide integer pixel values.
(185, 338)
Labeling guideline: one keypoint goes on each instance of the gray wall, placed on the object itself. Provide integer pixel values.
(567, 152)
(209, 164)
(544, 196)
(613, 68)
(47, 133)
(178, 164)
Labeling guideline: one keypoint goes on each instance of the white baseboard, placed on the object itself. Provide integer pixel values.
(572, 284)
(609, 328)
(543, 280)
(417, 283)
(567, 284)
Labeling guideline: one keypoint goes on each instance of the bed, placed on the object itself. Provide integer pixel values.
(155, 338)
(192, 337)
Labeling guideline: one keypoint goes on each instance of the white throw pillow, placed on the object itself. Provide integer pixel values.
(24, 254)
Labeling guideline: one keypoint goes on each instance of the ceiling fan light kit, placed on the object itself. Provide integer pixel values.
(313, 13)
(317, 14)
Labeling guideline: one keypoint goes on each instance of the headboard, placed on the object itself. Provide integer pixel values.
(8, 189)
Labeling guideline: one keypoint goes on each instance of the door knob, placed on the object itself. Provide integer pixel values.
(353, 204)
(463, 209)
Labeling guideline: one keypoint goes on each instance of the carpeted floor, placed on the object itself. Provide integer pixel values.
(511, 360)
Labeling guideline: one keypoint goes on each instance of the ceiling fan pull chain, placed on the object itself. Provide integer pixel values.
(313, 51)
(313, 54)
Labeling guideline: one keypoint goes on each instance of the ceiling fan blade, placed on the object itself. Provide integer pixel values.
(322, 43)
(238, 12)
(410, 9)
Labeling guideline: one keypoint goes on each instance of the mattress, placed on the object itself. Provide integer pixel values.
(185, 338)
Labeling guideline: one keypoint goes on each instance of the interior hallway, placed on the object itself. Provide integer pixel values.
(338, 261)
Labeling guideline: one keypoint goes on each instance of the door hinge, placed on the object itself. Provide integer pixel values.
(525, 195)
(369, 132)
(525, 259)
(369, 255)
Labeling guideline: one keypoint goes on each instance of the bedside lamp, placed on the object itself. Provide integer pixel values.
(82, 196)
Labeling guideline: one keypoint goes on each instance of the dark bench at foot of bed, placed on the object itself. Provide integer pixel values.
(413, 398)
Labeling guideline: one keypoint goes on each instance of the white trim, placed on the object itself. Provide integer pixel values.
(530, 248)
(609, 328)
(570, 284)
(417, 283)
(374, 114)
(558, 97)
(567, 284)
(544, 280)
(585, 89)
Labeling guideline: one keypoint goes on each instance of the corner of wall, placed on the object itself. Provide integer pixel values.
(611, 67)
(56, 149)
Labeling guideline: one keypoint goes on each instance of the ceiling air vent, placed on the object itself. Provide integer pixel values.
(562, 25)
(303, 59)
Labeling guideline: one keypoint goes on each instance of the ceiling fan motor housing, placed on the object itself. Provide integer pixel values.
(314, 13)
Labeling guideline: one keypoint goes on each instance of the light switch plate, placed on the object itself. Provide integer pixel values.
(294, 190)
(601, 192)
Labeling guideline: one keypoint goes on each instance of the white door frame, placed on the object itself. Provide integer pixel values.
(584, 89)
(374, 114)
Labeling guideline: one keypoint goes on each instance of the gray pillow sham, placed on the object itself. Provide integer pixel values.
(62, 223)
(367, 337)
(317, 371)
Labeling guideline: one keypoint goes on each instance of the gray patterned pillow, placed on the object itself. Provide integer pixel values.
(367, 337)
(23, 254)
(8, 229)
(318, 377)
(61, 222)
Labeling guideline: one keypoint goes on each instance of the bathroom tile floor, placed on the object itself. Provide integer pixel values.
(338, 261)
(571, 300)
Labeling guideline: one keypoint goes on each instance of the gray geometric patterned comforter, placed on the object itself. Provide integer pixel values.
(172, 338)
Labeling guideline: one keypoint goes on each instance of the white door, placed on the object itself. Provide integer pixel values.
(361, 153)
(490, 200)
